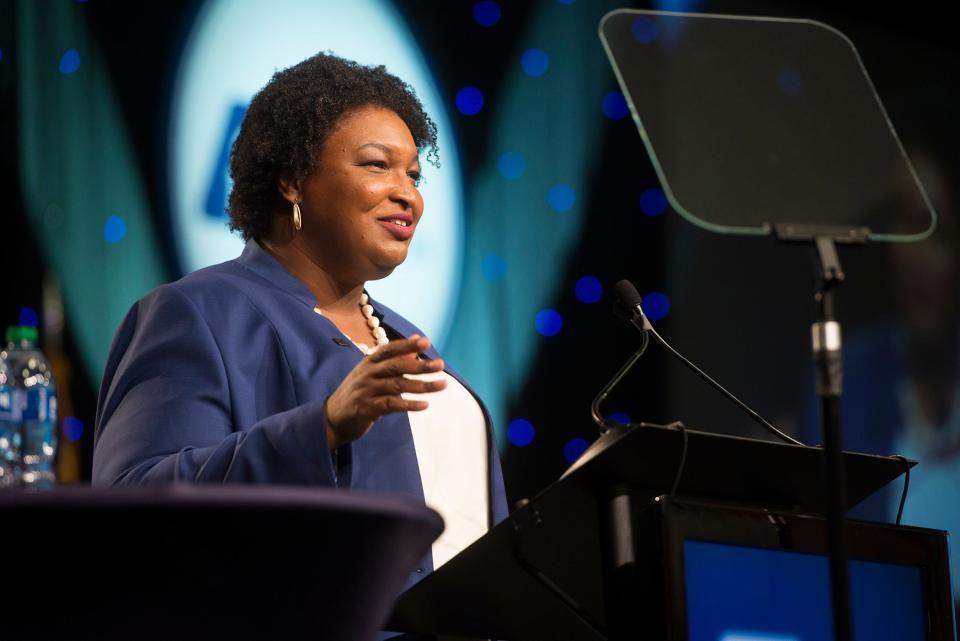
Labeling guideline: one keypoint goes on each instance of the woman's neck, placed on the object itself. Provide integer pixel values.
(333, 294)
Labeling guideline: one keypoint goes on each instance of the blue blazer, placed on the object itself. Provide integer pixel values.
(222, 376)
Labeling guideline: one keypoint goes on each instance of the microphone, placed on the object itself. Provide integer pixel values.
(629, 306)
(601, 422)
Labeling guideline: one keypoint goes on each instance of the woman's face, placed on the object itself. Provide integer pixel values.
(361, 206)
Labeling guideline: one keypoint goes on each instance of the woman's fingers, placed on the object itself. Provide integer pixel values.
(400, 366)
(403, 385)
(413, 345)
(390, 404)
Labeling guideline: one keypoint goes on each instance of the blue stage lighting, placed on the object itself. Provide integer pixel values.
(114, 229)
(469, 101)
(493, 267)
(589, 290)
(615, 106)
(486, 14)
(549, 322)
(534, 62)
(72, 428)
(619, 417)
(561, 198)
(70, 61)
(653, 201)
(644, 30)
(574, 448)
(656, 305)
(520, 432)
(511, 165)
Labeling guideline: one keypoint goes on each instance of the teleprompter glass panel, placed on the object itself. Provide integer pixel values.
(751, 122)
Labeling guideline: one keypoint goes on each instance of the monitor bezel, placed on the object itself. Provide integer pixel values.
(684, 520)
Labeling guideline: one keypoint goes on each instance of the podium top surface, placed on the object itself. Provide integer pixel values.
(731, 468)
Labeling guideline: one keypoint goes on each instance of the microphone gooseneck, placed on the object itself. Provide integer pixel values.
(601, 422)
(629, 305)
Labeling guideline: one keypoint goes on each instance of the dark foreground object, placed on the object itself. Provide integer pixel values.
(206, 562)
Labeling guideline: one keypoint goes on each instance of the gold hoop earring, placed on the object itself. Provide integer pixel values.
(297, 220)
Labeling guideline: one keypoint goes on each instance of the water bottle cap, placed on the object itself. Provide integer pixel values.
(19, 333)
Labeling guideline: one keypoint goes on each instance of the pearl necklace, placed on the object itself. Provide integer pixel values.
(379, 334)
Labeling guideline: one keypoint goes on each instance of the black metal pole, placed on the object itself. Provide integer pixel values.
(827, 357)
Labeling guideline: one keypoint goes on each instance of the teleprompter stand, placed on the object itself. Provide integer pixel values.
(766, 126)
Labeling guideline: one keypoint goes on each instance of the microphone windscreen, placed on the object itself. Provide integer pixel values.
(627, 294)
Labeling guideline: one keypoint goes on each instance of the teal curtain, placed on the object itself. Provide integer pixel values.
(78, 170)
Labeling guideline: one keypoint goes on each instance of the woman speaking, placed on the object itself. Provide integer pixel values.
(276, 367)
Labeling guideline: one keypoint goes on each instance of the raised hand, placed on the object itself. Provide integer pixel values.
(372, 389)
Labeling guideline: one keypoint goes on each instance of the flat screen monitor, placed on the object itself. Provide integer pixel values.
(740, 593)
(745, 574)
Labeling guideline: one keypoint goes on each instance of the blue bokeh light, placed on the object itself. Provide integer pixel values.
(493, 267)
(619, 417)
(656, 305)
(589, 290)
(469, 101)
(511, 165)
(114, 229)
(520, 432)
(644, 30)
(486, 14)
(535, 62)
(790, 81)
(72, 428)
(615, 106)
(70, 61)
(574, 448)
(679, 6)
(549, 322)
(28, 316)
(653, 201)
(561, 198)
(566, 1)
(1, 54)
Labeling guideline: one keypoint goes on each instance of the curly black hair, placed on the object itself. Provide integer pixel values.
(288, 121)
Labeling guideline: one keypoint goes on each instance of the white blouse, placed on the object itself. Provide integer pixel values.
(450, 438)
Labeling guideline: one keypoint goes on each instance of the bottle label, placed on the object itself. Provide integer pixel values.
(18, 404)
(37, 404)
(6, 404)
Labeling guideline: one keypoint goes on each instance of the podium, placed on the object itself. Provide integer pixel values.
(201, 562)
(602, 555)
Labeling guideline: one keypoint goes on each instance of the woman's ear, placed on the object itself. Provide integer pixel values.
(289, 189)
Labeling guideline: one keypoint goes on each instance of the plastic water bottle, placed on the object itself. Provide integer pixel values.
(30, 418)
(8, 455)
